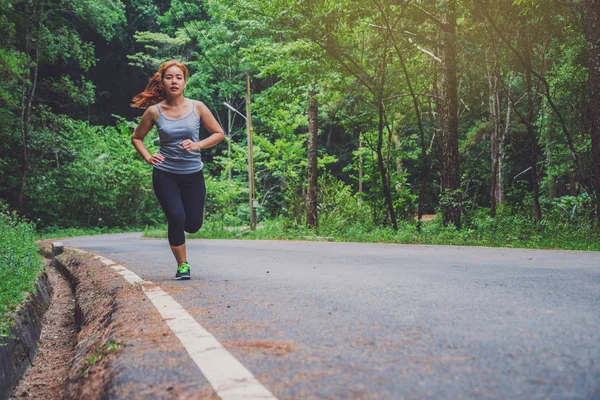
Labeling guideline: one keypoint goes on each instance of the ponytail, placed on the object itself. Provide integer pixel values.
(154, 92)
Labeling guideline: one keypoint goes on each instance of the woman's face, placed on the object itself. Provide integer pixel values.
(174, 81)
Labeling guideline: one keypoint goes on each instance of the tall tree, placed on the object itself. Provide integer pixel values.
(383, 168)
(387, 16)
(591, 14)
(443, 14)
(33, 19)
(532, 138)
(498, 133)
(312, 142)
(448, 107)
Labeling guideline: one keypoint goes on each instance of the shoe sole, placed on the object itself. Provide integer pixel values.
(183, 278)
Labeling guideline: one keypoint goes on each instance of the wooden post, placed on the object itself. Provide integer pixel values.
(250, 157)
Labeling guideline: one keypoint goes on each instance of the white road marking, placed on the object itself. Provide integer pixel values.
(128, 275)
(228, 377)
(105, 261)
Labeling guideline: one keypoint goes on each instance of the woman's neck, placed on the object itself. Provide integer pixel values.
(175, 101)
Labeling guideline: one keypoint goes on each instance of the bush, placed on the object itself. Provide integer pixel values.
(20, 263)
(97, 180)
(338, 209)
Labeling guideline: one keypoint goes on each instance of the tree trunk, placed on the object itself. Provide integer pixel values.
(374, 185)
(500, 198)
(29, 86)
(25, 120)
(591, 12)
(531, 134)
(494, 109)
(382, 170)
(311, 195)
(388, 159)
(450, 172)
(533, 151)
(380, 158)
(424, 161)
(498, 134)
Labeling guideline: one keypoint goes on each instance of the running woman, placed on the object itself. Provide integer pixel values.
(177, 175)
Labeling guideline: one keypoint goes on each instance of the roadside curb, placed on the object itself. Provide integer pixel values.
(124, 348)
(19, 349)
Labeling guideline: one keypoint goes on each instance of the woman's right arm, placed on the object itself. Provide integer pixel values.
(140, 132)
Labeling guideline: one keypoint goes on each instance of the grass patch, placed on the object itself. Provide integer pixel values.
(271, 229)
(53, 232)
(20, 264)
(479, 230)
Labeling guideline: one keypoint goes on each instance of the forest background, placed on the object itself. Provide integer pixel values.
(366, 114)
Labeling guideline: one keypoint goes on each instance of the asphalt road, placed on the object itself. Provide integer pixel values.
(375, 321)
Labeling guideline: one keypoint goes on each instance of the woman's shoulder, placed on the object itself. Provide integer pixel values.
(198, 107)
(196, 103)
(153, 112)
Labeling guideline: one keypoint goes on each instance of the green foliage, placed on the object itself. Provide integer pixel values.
(338, 208)
(82, 92)
(20, 263)
(91, 177)
(103, 15)
(63, 43)
(163, 46)
(12, 65)
(225, 201)
(12, 61)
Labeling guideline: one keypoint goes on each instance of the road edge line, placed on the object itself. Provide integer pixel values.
(228, 377)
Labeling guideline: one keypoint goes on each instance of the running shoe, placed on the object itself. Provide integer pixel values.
(183, 271)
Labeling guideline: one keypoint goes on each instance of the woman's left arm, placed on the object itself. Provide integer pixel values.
(210, 123)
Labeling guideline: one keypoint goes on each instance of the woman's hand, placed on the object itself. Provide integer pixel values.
(155, 159)
(189, 145)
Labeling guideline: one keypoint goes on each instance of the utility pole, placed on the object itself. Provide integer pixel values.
(312, 220)
(250, 157)
(229, 124)
(360, 169)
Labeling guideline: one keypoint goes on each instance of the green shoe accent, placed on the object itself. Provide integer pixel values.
(183, 267)
(183, 271)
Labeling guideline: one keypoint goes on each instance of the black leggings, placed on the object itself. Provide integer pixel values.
(181, 197)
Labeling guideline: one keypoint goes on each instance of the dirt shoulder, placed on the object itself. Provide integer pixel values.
(124, 348)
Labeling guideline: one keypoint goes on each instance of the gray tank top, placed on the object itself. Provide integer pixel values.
(172, 132)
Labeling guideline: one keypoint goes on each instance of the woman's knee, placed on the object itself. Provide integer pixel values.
(194, 225)
(176, 238)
